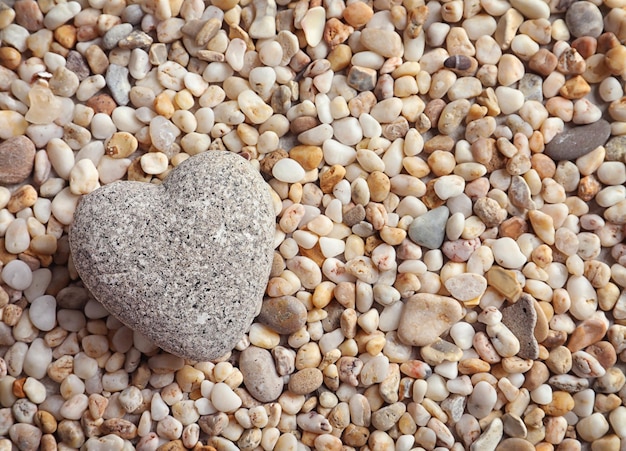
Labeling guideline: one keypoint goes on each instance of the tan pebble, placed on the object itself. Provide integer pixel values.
(336, 32)
(562, 402)
(575, 88)
(340, 57)
(309, 157)
(120, 145)
(24, 197)
(505, 282)
(10, 57)
(330, 177)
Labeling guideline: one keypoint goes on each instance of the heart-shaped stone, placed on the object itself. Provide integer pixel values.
(185, 262)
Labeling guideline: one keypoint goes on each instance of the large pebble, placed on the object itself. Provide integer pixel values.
(426, 317)
(578, 141)
(384, 42)
(259, 374)
(284, 315)
(584, 19)
(169, 260)
(17, 156)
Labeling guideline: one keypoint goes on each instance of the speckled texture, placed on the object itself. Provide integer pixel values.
(521, 319)
(185, 263)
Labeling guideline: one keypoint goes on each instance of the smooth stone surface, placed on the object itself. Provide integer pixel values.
(185, 262)
(284, 315)
(426, 317)
(584, 19)
(521, 319)
(429, 229)
(17, 156)
(578, 141)
(259, 374)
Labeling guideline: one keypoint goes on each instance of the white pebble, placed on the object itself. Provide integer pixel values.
(288, 170)
(17, 275)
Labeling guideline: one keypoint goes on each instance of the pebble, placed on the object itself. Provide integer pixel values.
(259, 374)
(521, 319)
(584, 19)
(382, 41)
(285, 314)
(426, 317)
(305, 381)
(429, 229)
(17, 156)
(586, 137)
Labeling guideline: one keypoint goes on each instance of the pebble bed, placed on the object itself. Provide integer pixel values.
(448, 181)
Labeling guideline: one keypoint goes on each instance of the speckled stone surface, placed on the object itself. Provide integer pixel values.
(186, 262)
(521, 319)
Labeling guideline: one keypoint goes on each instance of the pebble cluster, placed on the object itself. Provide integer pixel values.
(448, 181)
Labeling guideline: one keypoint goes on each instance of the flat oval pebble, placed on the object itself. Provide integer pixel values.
(305, 381)
(188, 297)
(285, 314)
(578, 141)
(17, 156)
(259, 374)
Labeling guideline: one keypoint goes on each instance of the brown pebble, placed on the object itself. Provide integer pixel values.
(585, 46)
(588, 187)
(587, 333)
(285, 314)
(544, 165)
(302, 124)
(355, 436)
(439, 142)
(17, 156)
(102, 103)
(305, 381)
(336, 32)
(606, 41)
(119, 426)
(28, 15)
(18, 384)
(536, 376)
(10, 58)
(329, 178)
(543, 62)
(604, 352)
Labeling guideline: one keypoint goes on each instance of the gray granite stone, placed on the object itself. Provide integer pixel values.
(429, 229)
(578, 141)
(186, 262)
